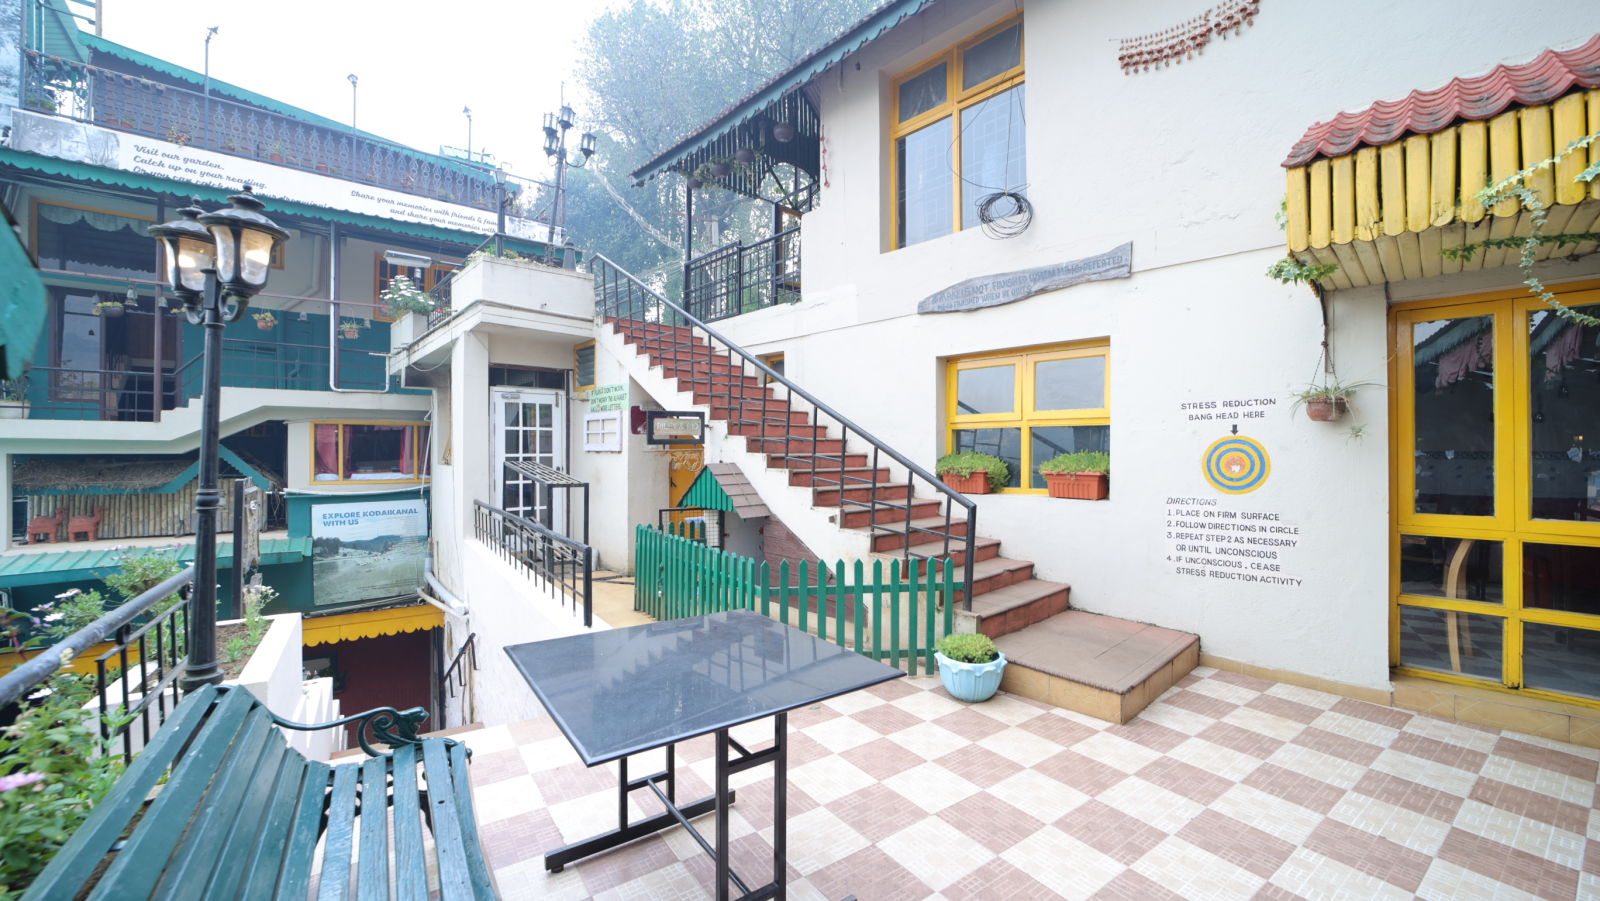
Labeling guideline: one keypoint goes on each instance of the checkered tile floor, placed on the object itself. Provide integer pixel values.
(1227, 787)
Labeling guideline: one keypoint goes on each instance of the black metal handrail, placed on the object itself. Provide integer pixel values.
(156, 673)
(455, 675)
(621, 297)
(564, 562)
(742, 278)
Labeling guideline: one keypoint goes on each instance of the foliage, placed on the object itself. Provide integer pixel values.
(71, 610)
(1291, 271)
(351, 325)
(1331, 389)
(1079, 461)
(968, 648)
(48, 783)
(13, 389)
(107, 306)
(255, 600)
(139, 573)
(265, 317)
(403, 296)
(965, 463)
(1515, 187)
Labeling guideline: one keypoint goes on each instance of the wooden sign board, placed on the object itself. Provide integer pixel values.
(675, 427)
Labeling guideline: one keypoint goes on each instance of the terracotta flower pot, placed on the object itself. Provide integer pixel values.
(1326, 409)
(1083, 486)
(976, 483)
(351, 333)
(265, 325)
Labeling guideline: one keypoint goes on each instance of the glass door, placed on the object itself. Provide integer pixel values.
(530, 427)
(1496, 566)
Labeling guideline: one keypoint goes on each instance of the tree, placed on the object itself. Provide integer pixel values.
(657, 70)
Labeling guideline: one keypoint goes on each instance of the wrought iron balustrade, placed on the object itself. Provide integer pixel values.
(564, 563)
(140, 106)
(728, 375)
(741, 278)
(136, 678)
(455, 675)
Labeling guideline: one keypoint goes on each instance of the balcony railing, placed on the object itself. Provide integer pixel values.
(141, 106)
(743, 278)
(567, 565)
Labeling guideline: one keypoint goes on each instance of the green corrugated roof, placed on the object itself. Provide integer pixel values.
(22, 302)
(18, 570)
(85, 172)
(858, 36)
(707, 492)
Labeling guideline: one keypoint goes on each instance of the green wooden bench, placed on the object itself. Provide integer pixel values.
(241, 813)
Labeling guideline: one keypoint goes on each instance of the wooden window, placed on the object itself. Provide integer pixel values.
(369, 452)
(1027, 406)
(583, 366)
(958, 133)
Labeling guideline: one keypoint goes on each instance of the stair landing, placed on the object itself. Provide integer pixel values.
(1097, 665)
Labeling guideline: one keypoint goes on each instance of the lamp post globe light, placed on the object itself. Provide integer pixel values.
(556, 126)
(234, 247)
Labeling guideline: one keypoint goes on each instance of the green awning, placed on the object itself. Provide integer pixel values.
(85, 172)
(24, 569)
(22, 302)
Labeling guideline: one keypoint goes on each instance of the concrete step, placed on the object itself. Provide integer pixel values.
(887, 511)
(996, 573)
(809, 439)
(890, 537)
(1097, 665)
(820, 462)
(1015, 607)
(853, 476)
(828, 495)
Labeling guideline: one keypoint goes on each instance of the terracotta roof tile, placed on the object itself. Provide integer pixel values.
(1548, 76)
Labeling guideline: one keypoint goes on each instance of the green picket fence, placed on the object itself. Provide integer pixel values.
(891, 613)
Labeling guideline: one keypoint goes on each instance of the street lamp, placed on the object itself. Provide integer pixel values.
(234, 247)
(556, 126)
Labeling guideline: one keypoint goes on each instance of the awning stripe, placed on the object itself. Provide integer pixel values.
(370, 624)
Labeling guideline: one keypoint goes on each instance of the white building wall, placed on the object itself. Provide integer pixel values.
(1184, 162)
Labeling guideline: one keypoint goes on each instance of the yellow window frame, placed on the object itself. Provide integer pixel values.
(956, 99)
(1512, 525)
(1022, 415)
(577, 365)
(414, 433)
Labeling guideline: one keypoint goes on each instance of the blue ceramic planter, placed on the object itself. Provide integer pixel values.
(970, 681)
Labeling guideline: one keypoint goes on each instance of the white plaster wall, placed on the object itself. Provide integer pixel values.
(508, 609)
(1184, 162)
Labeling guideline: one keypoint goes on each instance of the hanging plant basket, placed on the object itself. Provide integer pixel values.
(109, 309)
(1326, 409)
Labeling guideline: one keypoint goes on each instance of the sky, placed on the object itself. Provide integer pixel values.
(417, 63)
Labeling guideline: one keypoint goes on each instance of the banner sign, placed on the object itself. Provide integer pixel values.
(83, 142)
(606, 398)
(367, 551)
(1007, 287)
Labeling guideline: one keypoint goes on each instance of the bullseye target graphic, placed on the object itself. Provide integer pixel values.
(1236, 464)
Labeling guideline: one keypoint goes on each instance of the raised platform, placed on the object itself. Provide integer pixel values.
(1096, 665)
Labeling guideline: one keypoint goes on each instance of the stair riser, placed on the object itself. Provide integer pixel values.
(829, 497)
(697, 366)
(732, 386)
(772, 413)
(958, 553)
(798, 443)
(1001, 580)
(705, 398)
(777, 431)
(857, 518)
(827, 479)
(891, 543)
(656, 345)
(1021, 617)
(804, 461)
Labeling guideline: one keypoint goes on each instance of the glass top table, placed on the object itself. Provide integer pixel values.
(624, 691)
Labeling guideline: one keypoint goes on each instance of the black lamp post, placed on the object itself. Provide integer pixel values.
(556, 126)
(234, 246)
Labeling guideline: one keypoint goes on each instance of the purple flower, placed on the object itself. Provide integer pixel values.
(18, 780)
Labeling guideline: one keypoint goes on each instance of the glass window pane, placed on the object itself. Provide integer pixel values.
(924, 199)
(993, 151)
(988, 390)
(991, 56)
(1048, 441)
(1560, 658)
(921, 93)
(1003, 443)
(1465, 568)
(1454, 396)
(546, 415)
(513, 419)
(1075, 384)
(325, 438)
(1564, 400)
(1469, 644)
(1561, 577)
(375, 452)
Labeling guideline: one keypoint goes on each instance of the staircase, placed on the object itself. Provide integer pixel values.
(1094, 664)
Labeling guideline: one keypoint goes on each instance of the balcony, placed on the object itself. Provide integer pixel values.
(742, 278)
(128, 103)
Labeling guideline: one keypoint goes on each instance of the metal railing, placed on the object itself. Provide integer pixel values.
(455, 675)
(742, 278)
(732, 379)
(566, 564)
(145, 659)
(190, 118)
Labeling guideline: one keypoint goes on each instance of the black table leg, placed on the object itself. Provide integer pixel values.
(721, 854)
(556, 860)
(780, 806)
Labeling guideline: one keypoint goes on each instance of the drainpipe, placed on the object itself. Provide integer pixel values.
(445, 601)
(333, 321)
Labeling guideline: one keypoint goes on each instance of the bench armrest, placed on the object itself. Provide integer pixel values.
(383, 724)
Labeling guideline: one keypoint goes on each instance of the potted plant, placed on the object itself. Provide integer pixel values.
(275, 152)
(1083, 475)
(13, 399)
(403, 296)
(111, 309)
(351, 328)
(265, 320)
(721, 167)
(970, 472)
(1328, 401)
(970, 666)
